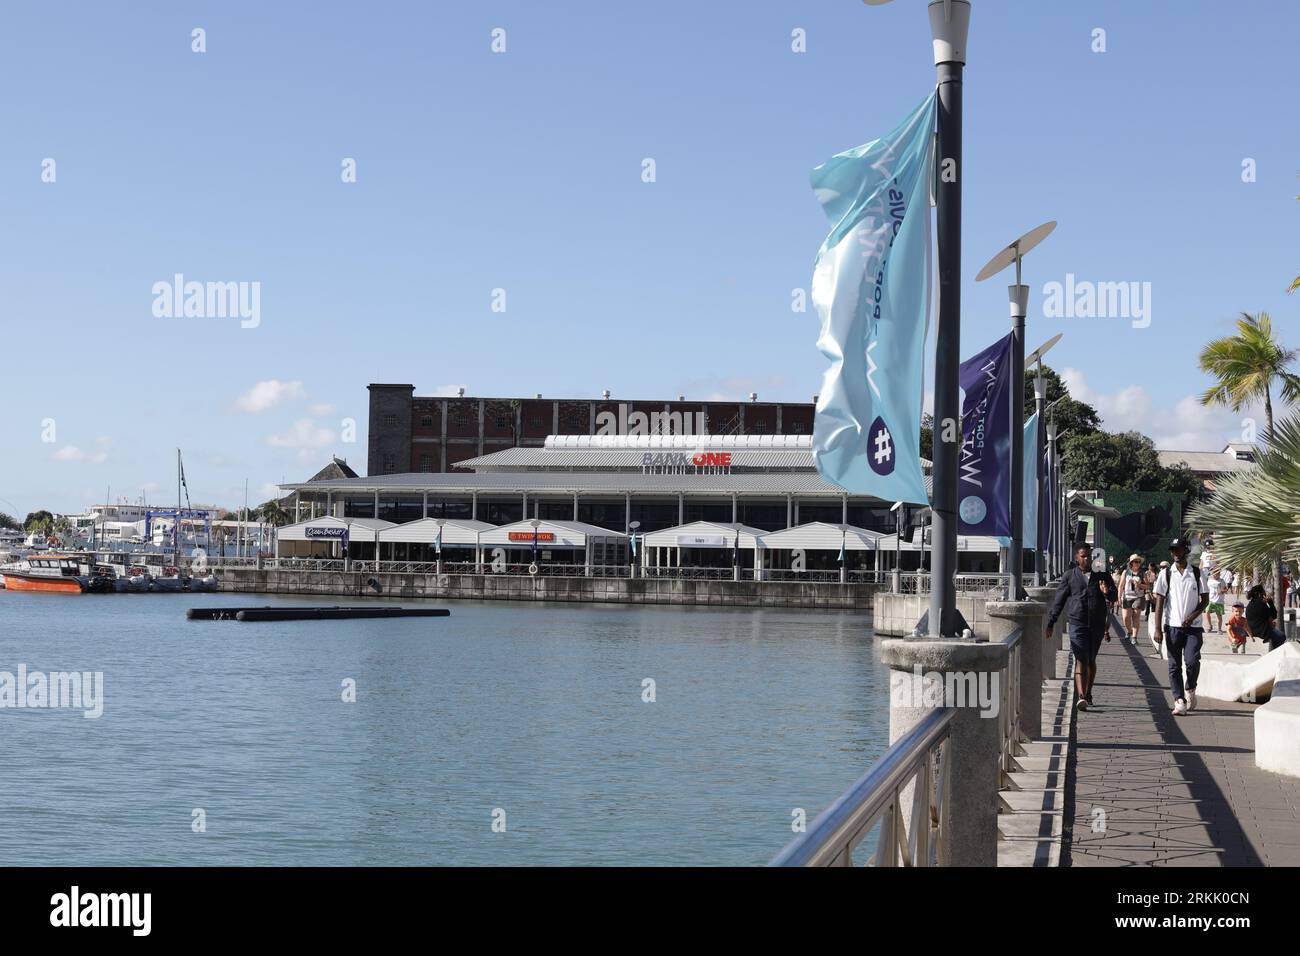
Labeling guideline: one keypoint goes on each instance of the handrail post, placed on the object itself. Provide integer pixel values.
(1044, 596)
(967, 676)
(1005, 618)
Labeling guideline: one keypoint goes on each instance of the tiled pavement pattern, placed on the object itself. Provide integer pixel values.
(1151, 789)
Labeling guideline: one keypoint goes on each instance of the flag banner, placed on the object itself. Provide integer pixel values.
(984, 471)
(1046, 526)
(1029, 530)
(871, 289)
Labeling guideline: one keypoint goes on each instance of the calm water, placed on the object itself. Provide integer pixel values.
(533, 709)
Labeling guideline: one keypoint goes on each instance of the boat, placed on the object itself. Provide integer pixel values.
(208, 582)
(136, 579)
(167, 579)
(57, 573)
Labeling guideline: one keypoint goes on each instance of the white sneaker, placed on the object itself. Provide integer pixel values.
(1191, 700)
(1180, 708)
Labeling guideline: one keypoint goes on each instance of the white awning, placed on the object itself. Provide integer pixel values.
(704, 534)
(328, 528)
(550, 534)
(821, 536)
(425, 531)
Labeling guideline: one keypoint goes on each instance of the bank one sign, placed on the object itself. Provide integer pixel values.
(681, 459)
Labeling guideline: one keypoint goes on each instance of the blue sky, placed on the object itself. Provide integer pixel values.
(522, 171)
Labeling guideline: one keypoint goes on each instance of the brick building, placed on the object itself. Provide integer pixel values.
(411, 433)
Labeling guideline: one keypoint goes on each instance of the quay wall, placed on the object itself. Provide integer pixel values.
(830, 596)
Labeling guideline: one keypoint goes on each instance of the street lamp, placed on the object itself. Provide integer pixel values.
(536, 523)
(1019, 298)
(633, 525)
(441, 522)
(1040, 396)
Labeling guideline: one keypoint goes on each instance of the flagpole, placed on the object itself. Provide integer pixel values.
(949, 24)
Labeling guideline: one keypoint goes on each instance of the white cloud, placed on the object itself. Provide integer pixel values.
(303, 434)
(268, 394)
(73, 453)
(1186, 426)
(320, 410)
(269, 490)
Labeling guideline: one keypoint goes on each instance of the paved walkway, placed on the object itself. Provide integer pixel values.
(1151, 789)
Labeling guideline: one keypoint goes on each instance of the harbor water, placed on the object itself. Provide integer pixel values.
(503, 734)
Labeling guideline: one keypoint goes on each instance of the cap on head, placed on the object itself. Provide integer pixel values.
(1178, 544)
(1164, 564)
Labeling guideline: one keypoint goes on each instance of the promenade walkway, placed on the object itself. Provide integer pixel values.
(1151, 789)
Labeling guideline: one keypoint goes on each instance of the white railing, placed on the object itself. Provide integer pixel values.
(919, 760)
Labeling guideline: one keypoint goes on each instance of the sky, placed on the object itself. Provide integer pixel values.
(1167, 148)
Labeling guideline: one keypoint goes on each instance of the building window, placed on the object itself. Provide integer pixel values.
(426, 421)
(390, 464)
(501, 421)
(390, 421)
(798, 428)
(760, 428)
(425, 463)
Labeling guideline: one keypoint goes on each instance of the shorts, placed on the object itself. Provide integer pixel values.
(1214, 608)
(1085, 641)
(1135, 603)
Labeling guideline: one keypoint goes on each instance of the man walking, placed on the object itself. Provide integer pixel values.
(1082, 596)
(1181, 596)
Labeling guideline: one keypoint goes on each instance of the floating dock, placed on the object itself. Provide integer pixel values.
(335, 613)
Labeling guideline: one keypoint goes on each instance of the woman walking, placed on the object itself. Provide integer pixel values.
(1132, 585)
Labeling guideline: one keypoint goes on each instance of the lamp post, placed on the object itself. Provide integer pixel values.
(441, 522)
(1018, 295)
(632, 526)
(536, 523)
(949, 28)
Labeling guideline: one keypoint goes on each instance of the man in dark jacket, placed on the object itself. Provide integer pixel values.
(1261, 618)
(1082, 597)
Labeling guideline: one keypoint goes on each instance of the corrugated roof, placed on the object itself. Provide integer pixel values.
(669, 537)
(822, 536)
(1211, 462)
(560, 482)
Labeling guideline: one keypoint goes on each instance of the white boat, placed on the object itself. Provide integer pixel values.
(208, 582)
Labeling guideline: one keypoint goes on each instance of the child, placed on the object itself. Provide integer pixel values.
(1237, 631)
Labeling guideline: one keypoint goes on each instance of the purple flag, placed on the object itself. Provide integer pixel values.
(984, 474)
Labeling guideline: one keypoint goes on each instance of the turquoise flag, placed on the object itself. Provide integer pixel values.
(1029, 531)
(871, 288)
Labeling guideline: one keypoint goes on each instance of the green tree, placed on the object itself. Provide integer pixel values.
(927, 436)
(273, 513)
(1246, 366)
(1101, 461)
(1072, 415)
(8, 521)
(41, 521)
(1255, 515)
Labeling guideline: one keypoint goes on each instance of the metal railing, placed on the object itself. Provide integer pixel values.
(1009, 734)
(919, 759)
(989, 586)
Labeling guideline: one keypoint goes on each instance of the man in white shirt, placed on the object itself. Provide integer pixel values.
(1181, 596)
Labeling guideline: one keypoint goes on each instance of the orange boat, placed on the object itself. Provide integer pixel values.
(46, 572)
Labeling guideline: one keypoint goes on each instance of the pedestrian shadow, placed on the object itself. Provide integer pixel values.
(1201, 825)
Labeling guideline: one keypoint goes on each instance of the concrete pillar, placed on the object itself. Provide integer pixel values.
(971, 811)
(789, 511)
(1044, 596)
(1005, 617)
(424, 505)
(627, 512)
(376, 515)
(473, 506)
(733, 509)
(297, 506)
(681, 509)
(525, 500)
(575, 506)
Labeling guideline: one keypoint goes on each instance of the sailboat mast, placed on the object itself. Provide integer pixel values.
(176, 528)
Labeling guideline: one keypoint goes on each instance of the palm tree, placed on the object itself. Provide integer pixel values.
(273, 513)
(1246, 365)
(1256, 514)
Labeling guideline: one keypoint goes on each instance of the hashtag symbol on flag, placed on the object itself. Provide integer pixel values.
(884, 447)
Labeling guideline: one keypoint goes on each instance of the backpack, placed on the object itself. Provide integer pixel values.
(1196, 573)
